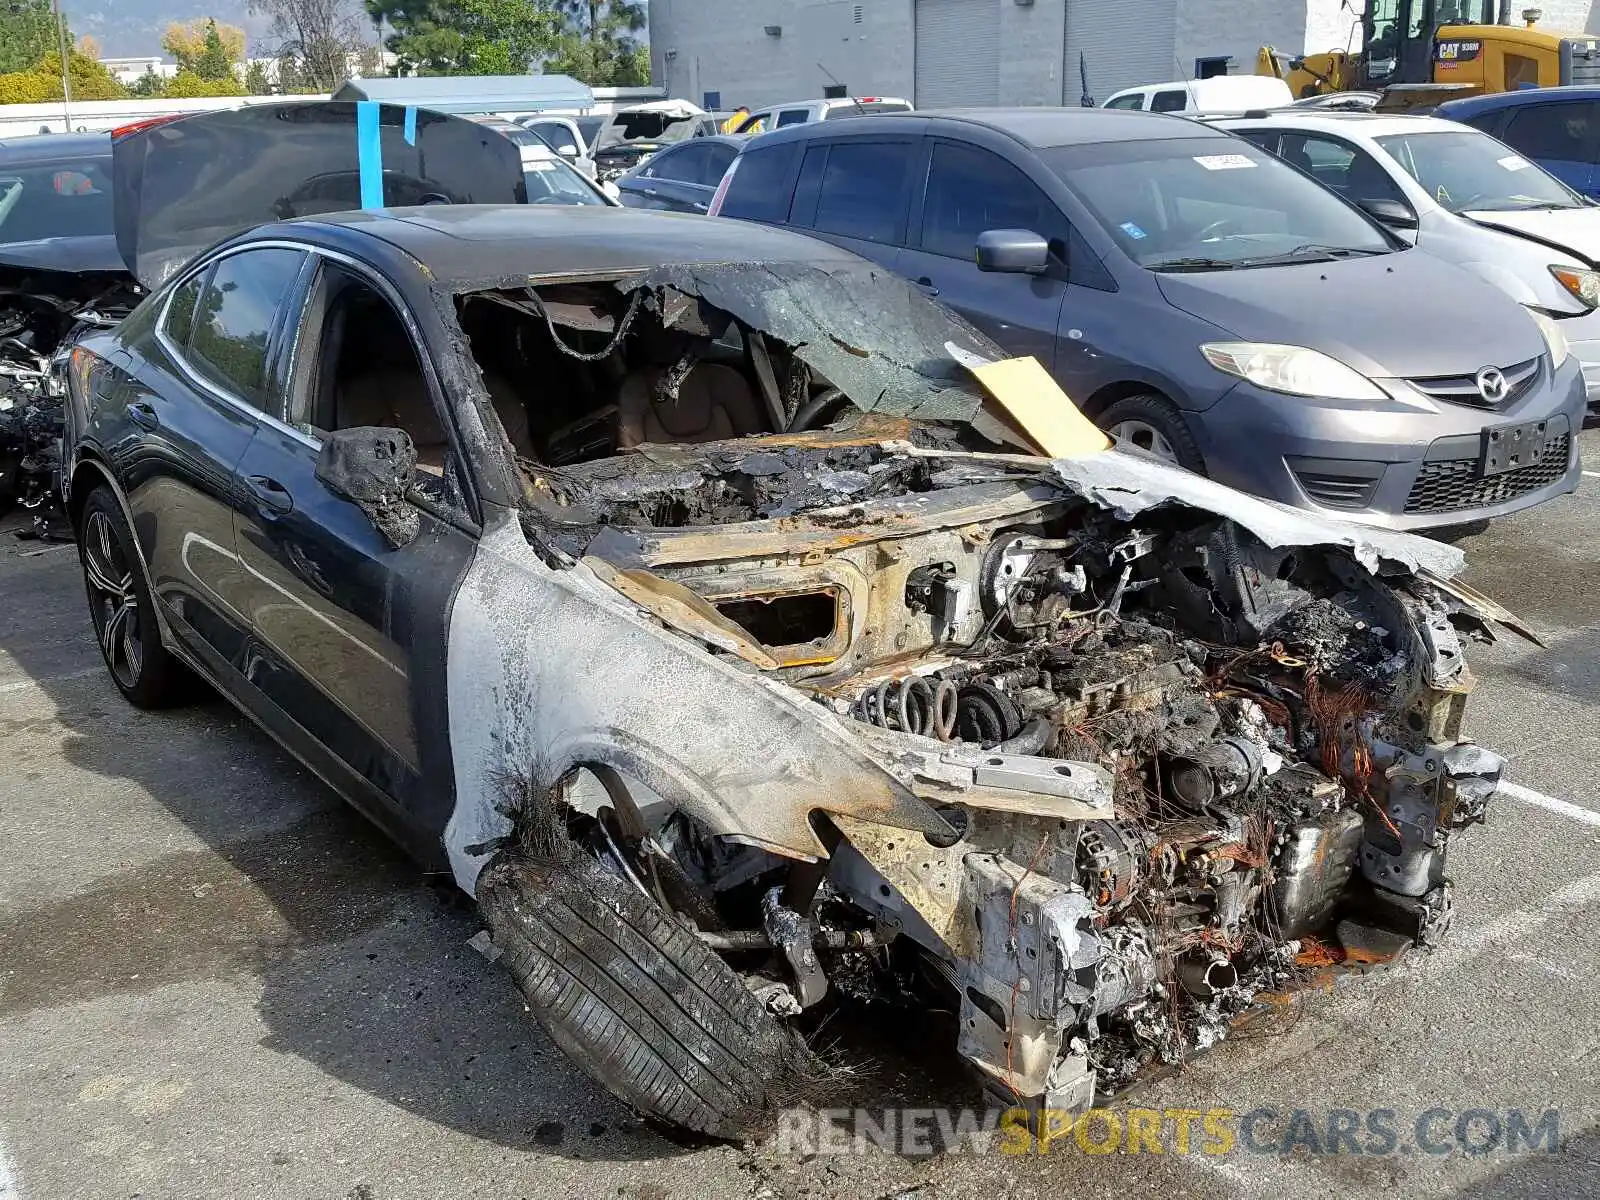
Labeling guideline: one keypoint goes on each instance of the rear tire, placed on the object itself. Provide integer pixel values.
(1153, 424)
(638, 1001)
(122, 609)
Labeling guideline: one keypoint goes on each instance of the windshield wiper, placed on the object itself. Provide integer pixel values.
(1309, 253)
(1193, 264)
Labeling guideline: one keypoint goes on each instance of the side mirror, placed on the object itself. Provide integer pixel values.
(1013, 251)
(372, 468)
(567, 151)
(1389, 212)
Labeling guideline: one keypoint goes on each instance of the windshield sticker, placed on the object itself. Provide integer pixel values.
(1514, 162)
(1224, 162)
(1133, 231)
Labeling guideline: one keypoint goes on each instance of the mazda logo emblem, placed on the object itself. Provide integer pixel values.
(1492, 385)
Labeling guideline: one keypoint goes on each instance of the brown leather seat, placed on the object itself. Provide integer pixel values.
(398, 398)
(714, 403)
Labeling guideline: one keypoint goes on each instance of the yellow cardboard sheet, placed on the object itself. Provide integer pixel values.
(1032, 403)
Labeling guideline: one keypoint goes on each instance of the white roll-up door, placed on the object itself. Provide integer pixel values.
(958, 53)
(1124, 43)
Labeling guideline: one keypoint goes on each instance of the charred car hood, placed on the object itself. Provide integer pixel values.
(1382, 330)
(186, 185)
(1574, 229)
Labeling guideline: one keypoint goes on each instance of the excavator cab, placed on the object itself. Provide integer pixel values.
(1401, 35)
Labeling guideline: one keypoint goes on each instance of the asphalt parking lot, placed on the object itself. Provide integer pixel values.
(216, 981)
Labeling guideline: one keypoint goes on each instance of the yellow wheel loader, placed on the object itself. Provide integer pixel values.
(1421, 52)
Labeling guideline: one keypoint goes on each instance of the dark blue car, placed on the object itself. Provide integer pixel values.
(1558, 128)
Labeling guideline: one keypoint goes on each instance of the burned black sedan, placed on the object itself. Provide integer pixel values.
(678, 587)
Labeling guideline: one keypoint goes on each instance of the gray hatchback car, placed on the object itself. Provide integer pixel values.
(1201, 300)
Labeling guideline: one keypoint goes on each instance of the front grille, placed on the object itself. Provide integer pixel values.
(1463, 389)
(1337, 491)
(1455, 485)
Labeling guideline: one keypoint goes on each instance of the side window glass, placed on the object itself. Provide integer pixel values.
(1555, 131)
(808, 185)
(971, 191)
(682, 166)
(862, 189)
(1174, 101)
(793, 116)
(760, 187)
(1134, 101)
(234, 319)
(180, 310)
(718, 156)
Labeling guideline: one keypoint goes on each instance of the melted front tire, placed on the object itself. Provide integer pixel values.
(638, 1001)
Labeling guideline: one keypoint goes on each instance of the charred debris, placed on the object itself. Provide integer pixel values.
(42, 312)
(1177, 767)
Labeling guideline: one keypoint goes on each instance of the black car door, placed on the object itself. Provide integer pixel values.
(348, 631)
(198, 377)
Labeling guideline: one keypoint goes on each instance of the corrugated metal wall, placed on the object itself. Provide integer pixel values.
(1124, 45)
(958, 53)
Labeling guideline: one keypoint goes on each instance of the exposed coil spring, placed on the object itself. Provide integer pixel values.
(911, 705)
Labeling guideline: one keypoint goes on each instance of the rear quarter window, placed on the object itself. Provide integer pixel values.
(761, 186)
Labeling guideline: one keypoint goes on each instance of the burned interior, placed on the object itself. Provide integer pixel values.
(1169, 758)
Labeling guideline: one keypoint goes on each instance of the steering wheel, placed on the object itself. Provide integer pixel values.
(1215, 229)
(548, 199)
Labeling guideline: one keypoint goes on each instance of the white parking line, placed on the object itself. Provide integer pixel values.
(1591, 474)
(1539, 800)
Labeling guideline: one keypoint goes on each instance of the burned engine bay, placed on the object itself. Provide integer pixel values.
(1174, 759)
(41, 313)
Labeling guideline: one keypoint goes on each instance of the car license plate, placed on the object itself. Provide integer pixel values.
(1510, 447)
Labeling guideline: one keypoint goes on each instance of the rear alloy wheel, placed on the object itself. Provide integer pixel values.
(1154, 425)
(121, 610)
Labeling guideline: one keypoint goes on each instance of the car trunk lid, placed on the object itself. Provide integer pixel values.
(184, 185)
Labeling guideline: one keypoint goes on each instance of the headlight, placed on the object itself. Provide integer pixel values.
(1553, 337)
(1292, 369)
(1585, 285)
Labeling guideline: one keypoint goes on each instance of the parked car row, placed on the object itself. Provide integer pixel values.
(1214, 305)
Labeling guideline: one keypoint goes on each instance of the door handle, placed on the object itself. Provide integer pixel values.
(271, 496)
(143, 415)
(925, 286)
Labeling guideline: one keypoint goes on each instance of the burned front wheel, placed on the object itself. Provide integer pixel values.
(638, 1000)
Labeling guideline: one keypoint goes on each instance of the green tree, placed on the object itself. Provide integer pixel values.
(256, 82)
(41, 82)
(422, 34)
(214, 62)
(27, 32)
(191, 42)
(507, 37)
(601, 43)
(148, 85)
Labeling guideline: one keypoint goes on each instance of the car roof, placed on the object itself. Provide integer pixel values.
(1516, 99)
(49, 147)
(476, 242)
(1346, 124)
(1036, 128)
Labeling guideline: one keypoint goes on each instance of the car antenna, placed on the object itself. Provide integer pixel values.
(1194, 100)
(834, 79)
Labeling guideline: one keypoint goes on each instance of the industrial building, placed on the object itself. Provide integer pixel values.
(722, 53)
